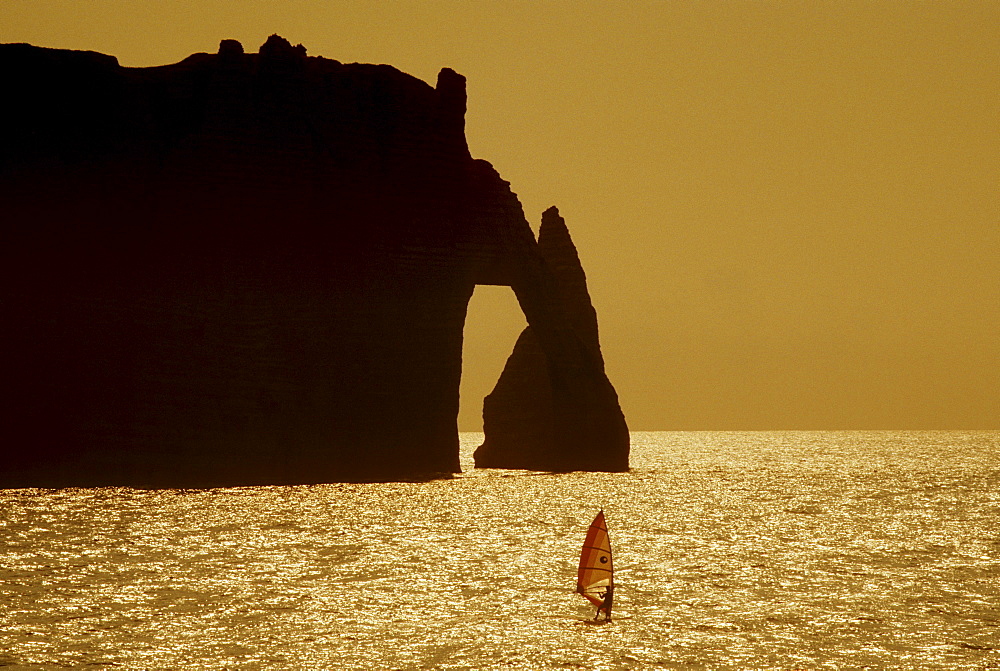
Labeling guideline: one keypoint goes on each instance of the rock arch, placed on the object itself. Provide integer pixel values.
(254, 269)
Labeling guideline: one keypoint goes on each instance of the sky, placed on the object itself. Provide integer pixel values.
(788, 212)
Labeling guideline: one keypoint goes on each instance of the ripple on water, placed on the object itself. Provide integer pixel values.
(734, 550)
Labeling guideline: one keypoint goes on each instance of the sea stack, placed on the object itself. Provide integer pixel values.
(251, 268)
(547, 413)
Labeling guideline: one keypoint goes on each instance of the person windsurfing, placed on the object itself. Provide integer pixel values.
(605, 607)
(595, 577)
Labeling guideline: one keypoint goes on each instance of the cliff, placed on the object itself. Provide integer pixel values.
(545, 416)
(243, 269)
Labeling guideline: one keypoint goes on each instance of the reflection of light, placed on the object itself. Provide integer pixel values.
(734, 546)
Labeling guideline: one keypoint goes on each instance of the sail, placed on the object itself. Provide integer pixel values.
(596, 572)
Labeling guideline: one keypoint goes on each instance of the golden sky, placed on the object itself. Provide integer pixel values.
(789, 212)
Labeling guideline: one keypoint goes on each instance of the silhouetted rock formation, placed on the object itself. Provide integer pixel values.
(244, 268)
(546, 413)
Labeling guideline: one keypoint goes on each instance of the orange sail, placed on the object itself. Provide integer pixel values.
(596, 572)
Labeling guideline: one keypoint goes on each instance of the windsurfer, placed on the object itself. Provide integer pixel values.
(605, 607)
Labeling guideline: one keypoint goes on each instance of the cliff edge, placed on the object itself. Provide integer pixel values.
(244, 269)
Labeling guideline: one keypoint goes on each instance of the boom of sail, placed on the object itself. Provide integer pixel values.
(596, 572)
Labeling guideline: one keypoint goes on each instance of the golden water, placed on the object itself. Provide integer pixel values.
(733, 550)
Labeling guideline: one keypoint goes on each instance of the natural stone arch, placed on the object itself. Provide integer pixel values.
(254, 269)
(553, 407)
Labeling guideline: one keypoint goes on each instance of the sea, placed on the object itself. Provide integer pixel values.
(732, 550)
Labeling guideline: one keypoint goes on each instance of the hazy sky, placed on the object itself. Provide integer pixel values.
(789, 212)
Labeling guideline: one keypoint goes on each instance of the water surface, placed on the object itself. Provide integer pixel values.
(733, 550)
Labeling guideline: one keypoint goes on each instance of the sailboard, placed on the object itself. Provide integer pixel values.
(596, 573)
